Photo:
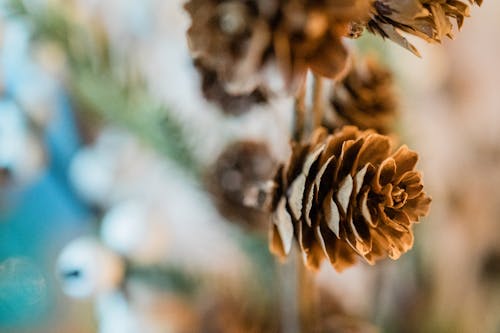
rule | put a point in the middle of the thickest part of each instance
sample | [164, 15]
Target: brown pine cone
[214, 91]
[238, 39]
[347, 195]
[238, 172]
[430, 20]
[364, 98]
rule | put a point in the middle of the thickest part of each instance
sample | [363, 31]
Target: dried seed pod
[364, 98]
[347, 195]
[238, 39]
[236, 176]
[430, 20]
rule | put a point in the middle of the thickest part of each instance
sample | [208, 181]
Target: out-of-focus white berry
[21, 152]
[115, 315]
[87, 268]
[135, 230]
[38, 100]
[92, 175]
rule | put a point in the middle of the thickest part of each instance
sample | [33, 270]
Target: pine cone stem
[317, 106]
[289, 295]
[307, 297]
[300, 113]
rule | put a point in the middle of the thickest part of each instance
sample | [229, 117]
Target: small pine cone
[231, 104]
[344, 195]
[238, 39]
[235, 181]
[365, 98]
[426, 19]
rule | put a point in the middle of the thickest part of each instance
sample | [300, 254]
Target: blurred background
[105, 138]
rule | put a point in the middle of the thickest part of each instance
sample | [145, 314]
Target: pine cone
[213, 90]
[365, 98]
[238, 39]
[344, 195]
[238, 171]
[426, 19]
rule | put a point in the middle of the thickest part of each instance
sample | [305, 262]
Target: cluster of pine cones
[242, 43]
[345, 192]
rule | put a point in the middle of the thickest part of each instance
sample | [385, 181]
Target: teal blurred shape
[23, 291]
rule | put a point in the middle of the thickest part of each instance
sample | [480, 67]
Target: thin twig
[308, 298]
[317, 106]
[300, 112]
[290, 297]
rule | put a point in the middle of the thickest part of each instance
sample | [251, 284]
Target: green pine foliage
[98, 86]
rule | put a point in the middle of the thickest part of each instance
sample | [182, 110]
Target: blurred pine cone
[344, 195]
[238, 39]
[214, 91]
[364, 98]
[238, 172]
[426, 19]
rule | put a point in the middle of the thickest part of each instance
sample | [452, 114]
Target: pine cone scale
[332, 216]
[411, 184]
[430, 20]
[406, 160]
[365, 210]
[284, 225]
[348, 157]
[375, 149]
[311, 249]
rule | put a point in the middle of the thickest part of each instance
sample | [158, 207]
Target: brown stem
[289, 289]
[300, 112]
[308, 298]
[317, 105]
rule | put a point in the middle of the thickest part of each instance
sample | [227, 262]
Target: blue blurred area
[37, 219]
